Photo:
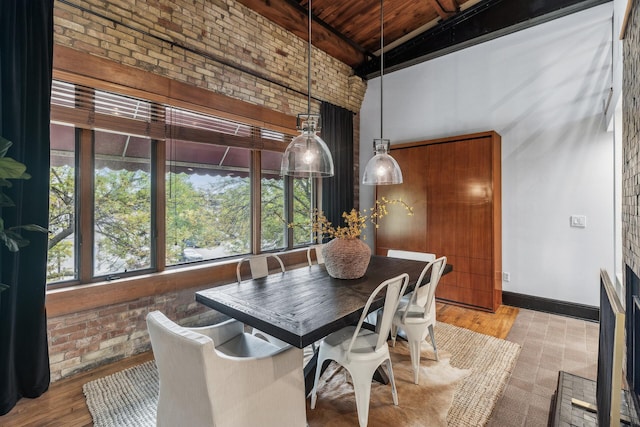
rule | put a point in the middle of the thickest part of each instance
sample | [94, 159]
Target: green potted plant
[12, 169]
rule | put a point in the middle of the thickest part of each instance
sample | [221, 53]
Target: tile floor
[550, 343]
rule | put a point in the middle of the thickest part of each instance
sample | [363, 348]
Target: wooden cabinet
[454, 186]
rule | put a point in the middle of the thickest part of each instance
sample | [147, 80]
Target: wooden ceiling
[414, 30]
[350, 30]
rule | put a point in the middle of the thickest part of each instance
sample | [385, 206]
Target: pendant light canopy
[307, 155]
[382, 169]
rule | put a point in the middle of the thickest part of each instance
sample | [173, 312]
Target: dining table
[303, 305]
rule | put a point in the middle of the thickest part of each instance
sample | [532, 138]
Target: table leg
[309, 373]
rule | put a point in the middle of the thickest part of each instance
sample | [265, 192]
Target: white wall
[543, 90]
[614, 117]
[619, 7]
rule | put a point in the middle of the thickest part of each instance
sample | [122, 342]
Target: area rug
[459, 390]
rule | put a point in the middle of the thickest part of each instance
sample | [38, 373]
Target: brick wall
[631, 150]
[84, 340]
[218, 45]
[207, 43]
[631, 142]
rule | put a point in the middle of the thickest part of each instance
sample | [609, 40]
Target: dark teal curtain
[337, 132]
[26, 58]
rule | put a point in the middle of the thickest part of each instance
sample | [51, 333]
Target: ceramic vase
[346, 258]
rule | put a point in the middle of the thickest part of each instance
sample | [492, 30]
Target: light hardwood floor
[64, 403]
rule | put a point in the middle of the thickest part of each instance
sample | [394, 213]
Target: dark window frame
[82, 115]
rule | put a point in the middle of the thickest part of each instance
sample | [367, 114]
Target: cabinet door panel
[441, 204]
[479, 197]
[399, 231]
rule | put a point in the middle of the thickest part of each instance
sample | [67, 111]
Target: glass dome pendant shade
[307, 155]
[382, 169]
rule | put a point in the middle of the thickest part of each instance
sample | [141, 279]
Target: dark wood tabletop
[303, 305]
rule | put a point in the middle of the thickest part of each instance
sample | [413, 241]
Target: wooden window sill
[73, 299]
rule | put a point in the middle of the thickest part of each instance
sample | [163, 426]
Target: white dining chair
[221, 376]
[417, 316]
[259, 265]
[416, 256]
[374, 317]
[317, 249]
[362, 351]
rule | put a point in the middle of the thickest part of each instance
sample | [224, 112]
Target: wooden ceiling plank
[399, 21]
[319, 20]
[346, 24]
[355, 23]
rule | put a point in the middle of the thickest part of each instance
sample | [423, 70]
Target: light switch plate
[579, 221]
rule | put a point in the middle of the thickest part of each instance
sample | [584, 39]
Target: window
[122, 200]
[138, 186]
[302, 210]
[208, 195]
[62, 262]
[273, 223]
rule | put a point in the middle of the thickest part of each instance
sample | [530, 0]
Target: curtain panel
[337, 132]
[26, 58]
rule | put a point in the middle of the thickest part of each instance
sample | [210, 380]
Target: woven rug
[459, 390]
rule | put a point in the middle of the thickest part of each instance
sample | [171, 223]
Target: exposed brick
[630, 137]
[56, 358]
[222, 29]
[62, 348]
[117, 331]
[81, 367]
[61, 332]
[58, 339]
[65, 364]
[64, 22]
[55, 323]
[80, 317]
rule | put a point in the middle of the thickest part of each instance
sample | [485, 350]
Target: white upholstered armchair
[221, 376]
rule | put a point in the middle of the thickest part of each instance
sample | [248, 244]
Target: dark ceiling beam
[292, 16]
[485, 21]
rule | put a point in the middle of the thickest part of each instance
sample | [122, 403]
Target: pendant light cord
[381, 60]
[309, 66]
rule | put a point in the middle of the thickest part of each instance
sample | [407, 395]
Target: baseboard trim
[563, 308]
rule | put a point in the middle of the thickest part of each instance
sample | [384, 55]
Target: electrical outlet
[506, 277]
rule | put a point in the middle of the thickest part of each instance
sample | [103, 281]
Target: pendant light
[307, 155]
[382, 169]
